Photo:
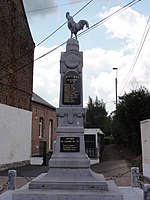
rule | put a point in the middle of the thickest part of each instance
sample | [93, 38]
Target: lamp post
[115, 68]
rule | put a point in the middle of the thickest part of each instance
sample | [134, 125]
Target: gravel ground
[112, 167]
[116, 170]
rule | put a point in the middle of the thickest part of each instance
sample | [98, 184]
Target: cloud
[44, 7]
[46, 74]
[98, 75]
[128, 26]
[40, 7]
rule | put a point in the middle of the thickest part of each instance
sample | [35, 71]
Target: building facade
[16, 57]
[43, 126]
[16, 82]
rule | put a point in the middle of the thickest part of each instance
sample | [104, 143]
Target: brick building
[16, 57]
[16, 91]
[43, 126]
[16, 80]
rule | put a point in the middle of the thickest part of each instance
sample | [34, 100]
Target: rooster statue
[75, 27]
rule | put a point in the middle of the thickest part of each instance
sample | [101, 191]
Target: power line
[99, 22]
[144, 36]
[91, 28]
[109, 16]
[34, 60]
[64, 23]
[8, 64]
[139, 45]
[51, 7]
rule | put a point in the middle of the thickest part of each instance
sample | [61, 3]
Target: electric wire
[91, 28]
[8, 64]
[34, 60]
[139, 45]
[143, 39]
[65, 42]
[64, 23]
[109, 16]
[51, 7]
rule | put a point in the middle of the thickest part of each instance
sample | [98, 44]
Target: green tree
[96, 115]
[131, 109]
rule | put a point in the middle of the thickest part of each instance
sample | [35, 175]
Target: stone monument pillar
[69, 176]
[69, 148]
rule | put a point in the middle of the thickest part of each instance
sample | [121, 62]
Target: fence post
[12, 179]
[146, 190]
[135, 177]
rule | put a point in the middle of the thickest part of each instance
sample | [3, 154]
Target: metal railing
[91, 152]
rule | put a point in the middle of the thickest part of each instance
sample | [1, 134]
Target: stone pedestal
[69, 176]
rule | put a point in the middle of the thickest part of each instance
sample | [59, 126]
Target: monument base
[69, 184]
[70, 179]
[113, 193]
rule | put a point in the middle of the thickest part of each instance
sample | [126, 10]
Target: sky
[121, 42]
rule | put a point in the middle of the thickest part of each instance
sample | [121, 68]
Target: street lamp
[115, 68]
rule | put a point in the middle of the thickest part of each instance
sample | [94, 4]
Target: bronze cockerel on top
[75, 27]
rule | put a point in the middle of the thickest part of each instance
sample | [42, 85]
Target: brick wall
[48, 115]
[16, 75]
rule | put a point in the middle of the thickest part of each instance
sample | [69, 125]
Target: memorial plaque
[69, 144]
[71, 89]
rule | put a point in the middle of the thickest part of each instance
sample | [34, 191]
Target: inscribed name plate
[69, 144]
[71, 89]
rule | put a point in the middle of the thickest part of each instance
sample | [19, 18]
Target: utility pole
[116, 69]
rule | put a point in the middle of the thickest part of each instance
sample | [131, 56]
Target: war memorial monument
[69, 176]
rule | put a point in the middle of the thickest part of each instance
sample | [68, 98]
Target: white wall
[15, 134]
[145, 137]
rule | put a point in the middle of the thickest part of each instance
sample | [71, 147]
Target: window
[41, 127]
[50, 133]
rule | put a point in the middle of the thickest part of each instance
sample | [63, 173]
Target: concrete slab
[113, 193]
[74, 179]
[129, 193]
[6, 195]
[132, 193]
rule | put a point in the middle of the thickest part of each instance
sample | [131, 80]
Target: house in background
[94, 144]
[16, 82]
[43, 126]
